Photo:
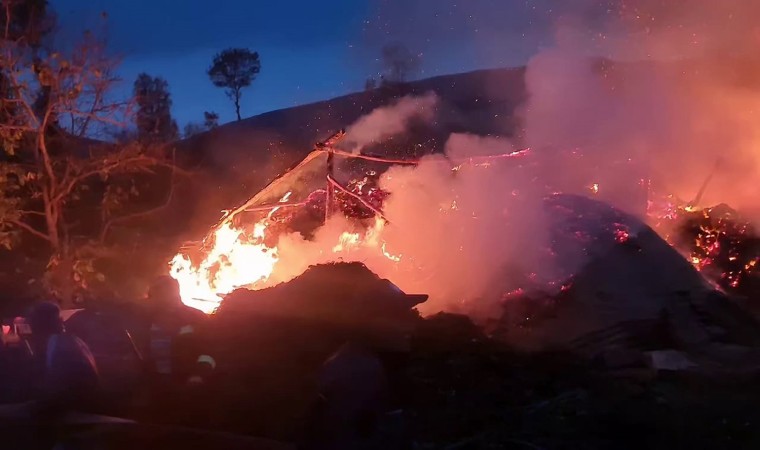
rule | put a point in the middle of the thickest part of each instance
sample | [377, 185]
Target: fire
[387, 254]
[234, 260]
[237, 258]
[347, 241]
[594, 188]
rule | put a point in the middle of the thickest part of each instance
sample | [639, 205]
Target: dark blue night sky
[310, 50]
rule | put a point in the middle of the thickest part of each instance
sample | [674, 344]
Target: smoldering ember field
[380, 225]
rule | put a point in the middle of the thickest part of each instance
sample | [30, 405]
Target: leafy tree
[154, 118]
[399, 63]
[234, 69]
[59, 186]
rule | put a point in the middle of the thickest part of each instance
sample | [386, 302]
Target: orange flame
[239, 259]
[234, 260]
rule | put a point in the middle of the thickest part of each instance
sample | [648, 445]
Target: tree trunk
[237, 104]
[51, 222]
[48, 192]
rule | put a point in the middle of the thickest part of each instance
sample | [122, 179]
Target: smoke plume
[390, 120]
[642, 89]
[461, 236]
[676, 92]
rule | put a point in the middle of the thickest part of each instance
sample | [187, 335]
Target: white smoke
[390, 120]
[467, 236]
[465, 239]
[464, 236]
[680, 94]
[469, 233]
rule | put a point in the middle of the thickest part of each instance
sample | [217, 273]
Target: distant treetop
[234, 69]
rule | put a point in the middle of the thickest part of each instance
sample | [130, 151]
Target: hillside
[241, 157]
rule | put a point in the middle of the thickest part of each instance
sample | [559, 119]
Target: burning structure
[340, 206]
[476, 224]
[242, 249]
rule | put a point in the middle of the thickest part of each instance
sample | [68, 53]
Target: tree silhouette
[153, 118]
[210, 119]
[234, 69]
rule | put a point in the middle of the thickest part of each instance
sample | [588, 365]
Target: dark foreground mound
[465, 391]
[270, 344]
[339, 293]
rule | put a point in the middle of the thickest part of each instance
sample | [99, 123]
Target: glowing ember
[622, 235]
[717, 242]
[594, 188]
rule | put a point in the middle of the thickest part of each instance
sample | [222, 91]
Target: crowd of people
[50, 368]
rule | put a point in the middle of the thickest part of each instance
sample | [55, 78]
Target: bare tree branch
[31, 230]
[32, 213]
[125, 218]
